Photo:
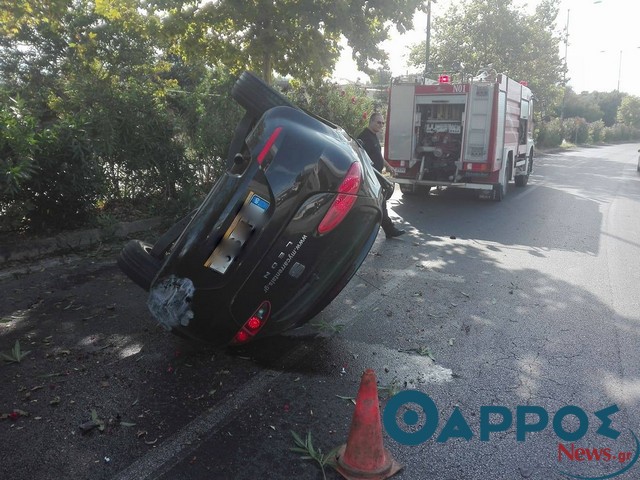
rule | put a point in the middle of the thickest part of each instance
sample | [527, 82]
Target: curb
[71, 241]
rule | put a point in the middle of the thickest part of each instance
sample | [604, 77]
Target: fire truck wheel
[521, 180]
[414, 189]
[499, 192]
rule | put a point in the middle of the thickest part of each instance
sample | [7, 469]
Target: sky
[603, 50]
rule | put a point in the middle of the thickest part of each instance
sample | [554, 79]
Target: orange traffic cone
[364, 455]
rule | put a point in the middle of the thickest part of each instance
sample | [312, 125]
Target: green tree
[593, 106]
[381, 77]
[609, 102]
[478, 33]
[584, 105]
[300, 38]
[111, 99]
[91, 76]
[629, 111]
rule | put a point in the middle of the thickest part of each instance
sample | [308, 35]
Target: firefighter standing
[371, 145]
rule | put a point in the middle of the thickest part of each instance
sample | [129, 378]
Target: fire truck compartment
[438, 128]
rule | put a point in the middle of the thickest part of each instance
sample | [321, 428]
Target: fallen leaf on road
[14, 415]
[351, 399]
[88, 426]
[423, 351]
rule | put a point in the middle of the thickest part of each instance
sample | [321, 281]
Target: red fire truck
[475, 135]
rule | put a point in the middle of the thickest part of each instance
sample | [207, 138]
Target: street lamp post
[619, 67]
[564, 73]
[428, 46]
[619, 70]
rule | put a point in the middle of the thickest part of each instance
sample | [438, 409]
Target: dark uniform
[371, 145]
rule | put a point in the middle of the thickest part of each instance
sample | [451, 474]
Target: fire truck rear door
[478, 123]
[400, 127]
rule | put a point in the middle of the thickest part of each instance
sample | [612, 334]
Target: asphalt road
[529, 302]
[521, 308]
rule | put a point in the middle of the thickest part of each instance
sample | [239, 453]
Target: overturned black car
[277, 238]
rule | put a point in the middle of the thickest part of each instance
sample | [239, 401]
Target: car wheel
[256, 96]
[136, 261]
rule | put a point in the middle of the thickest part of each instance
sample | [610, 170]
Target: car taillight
[344, 201]
[267, 146]
[253, 325]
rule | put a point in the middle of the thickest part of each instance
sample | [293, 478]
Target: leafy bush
[347, 106]
[596, 131]
[49, 177]
[549, 134]
[575, 130]
[206, 117]
[621, 133]
[63, 192]
[18, 141]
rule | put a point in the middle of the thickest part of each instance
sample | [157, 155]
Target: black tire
[407, 189]
[414, 189]
[256, 96]
[166, 241]
[136, 261]
[521, 180]
[500, 189]
[499, 192]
